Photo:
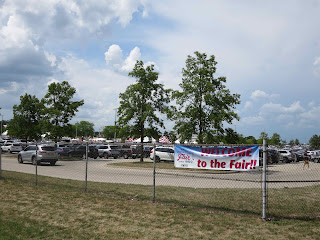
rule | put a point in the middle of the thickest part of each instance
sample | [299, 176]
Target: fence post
[0, 163]
[264, 181]
[154, 173]
[86, 177]
[36, 164]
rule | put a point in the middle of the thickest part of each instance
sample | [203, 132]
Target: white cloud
[52, 81]
[248, 106]
[316, 66]
[259, 94]
[113, 58]
[131, 60]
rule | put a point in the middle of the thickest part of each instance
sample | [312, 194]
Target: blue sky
[269, 52]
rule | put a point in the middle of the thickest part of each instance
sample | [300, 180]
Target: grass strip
[58, 209]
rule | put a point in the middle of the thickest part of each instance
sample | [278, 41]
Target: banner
[217, 158]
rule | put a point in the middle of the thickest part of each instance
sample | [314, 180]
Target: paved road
[102, 170]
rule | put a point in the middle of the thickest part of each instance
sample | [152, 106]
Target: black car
[79, 151]
[272, 156]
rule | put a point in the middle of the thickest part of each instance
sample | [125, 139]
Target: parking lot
[103, 170]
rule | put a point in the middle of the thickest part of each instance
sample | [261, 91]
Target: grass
[59, 209]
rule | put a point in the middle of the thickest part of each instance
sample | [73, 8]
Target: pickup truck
[136, 151]
[107, 151]
[125, 151]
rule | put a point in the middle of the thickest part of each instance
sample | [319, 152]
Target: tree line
[202, 107]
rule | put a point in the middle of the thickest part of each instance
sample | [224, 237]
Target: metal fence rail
[288, 185]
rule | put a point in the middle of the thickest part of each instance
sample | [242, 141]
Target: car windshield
[114, 147]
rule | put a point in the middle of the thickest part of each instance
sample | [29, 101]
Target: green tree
[291, 143]
[231, 137]
[60, 109]
[315, 141]
[251, 140]
[262, 136]
[109, 131]
[275, 139]
[297, 142]
[204, 103]
[141, 102]
[27, 118]
[84, 129]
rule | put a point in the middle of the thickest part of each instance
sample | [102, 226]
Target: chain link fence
[287, 190]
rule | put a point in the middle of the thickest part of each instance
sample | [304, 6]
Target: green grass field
[59, 209]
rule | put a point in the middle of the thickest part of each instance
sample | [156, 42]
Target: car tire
[158, 159]
[33, 160]
[115, 156]
[125, 156]
[20, 159]
[105, 155]
[52, 163]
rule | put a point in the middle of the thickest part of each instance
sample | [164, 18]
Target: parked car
[125, 151]
[286, 156]
[78, 151]
[299, 155]
[15, 147]
[136, 151]
[162, 154]
[6, 147]
[107, 151]
[38, 154]
[314, 155]
[272, 156]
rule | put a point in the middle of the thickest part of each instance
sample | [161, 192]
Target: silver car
[38, 154]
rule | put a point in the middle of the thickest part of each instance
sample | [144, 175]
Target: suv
[162, 154]
[38, 154]
[286, 156]
[107, 151]
[80, 151]
[136, 151]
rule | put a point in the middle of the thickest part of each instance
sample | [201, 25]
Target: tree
[231, 136]
[204, 103]
[297, 142]
[84, 128]
[60, 109]
[251, 140]
[141, 102]
[262, 136]
[275, 139]
[315, 141]
[109, 131]
[291, 143]
[27, 118]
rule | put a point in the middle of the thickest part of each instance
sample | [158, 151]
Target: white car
[162, 154]
[6, 147]
[15, 147]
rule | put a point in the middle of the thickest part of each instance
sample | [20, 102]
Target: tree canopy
[27, 118]
[60, 109]
[142, 102]
[315, 141]
[84, 129]
[204, 103]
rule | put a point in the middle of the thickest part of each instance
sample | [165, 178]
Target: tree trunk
[141, 146]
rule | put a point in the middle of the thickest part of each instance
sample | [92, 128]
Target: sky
[269, 51]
